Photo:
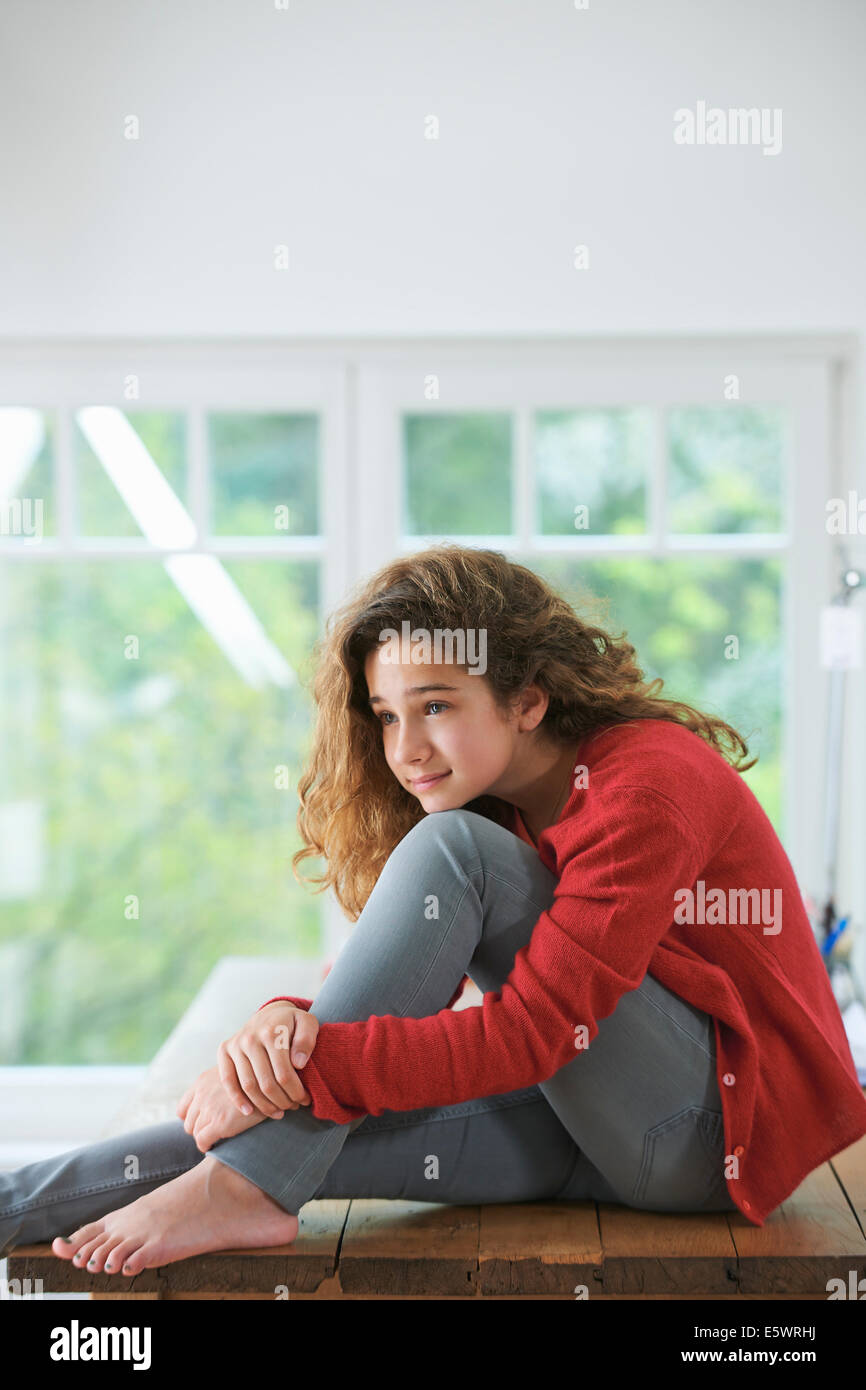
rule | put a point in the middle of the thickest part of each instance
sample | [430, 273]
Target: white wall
[305, 126]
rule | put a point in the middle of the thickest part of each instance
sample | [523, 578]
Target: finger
[284, 1072]
[191, 1117]
[183, 1103]
[304, 1039]
[286, 1076]
[248, 1080]
[230, 1080]
[285, 1056]
[275, 1098]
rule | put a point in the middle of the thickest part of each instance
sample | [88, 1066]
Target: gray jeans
[635, 1118]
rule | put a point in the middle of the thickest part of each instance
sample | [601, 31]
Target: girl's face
[444, 737]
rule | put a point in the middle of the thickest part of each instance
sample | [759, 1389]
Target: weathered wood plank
[401, 1247]
[538, 1248]
[649, 1252]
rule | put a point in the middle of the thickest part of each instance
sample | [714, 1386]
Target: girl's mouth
[424, 782]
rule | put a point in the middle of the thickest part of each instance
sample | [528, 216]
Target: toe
[63, 1246]
[97, 1259]
[83, 1254]
[137, 1260]
[69, 1247]
[119, 1255]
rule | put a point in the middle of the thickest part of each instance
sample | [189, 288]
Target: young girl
[498, 794]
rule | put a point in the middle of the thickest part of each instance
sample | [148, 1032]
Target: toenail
[107, 1265]
[68, 1239]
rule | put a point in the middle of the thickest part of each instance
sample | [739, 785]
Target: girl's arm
[612, 905]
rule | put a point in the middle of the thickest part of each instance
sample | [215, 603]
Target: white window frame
[360, 388]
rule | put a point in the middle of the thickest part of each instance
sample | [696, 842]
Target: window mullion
[658, 482]
[523, 521]
[66, 481]
[198, 463]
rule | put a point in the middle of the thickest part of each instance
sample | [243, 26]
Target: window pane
[591, 468]
[680, 614]
[726, 469]
[143, 830]
[26, 474]
[102, 508]
[264, 476]
[457, 475]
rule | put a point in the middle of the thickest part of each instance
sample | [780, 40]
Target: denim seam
[697, 1113]
[444, 938]
[706, 1051]
[571, 1172]
[85, 1191]
[484, 1107]
[515, 888]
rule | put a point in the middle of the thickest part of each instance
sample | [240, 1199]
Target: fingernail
[246, 1110]
[300, 1058]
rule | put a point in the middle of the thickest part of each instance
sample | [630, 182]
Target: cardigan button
[729, 1078]
[747, 1205]
[739, 1150]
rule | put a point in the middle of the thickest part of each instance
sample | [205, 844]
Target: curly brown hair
[353, 811]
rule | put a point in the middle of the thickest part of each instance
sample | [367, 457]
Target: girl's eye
[385, 713]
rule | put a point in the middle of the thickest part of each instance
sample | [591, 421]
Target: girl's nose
[411, 743]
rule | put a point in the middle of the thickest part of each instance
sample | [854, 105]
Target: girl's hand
[254, 1064]
[209, 1115]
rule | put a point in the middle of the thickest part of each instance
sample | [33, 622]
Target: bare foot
[210, 1207]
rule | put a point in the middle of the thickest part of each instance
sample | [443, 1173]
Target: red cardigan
[663, 812]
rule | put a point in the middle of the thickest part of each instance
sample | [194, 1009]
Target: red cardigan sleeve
[305, 1004]
[613, 903]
